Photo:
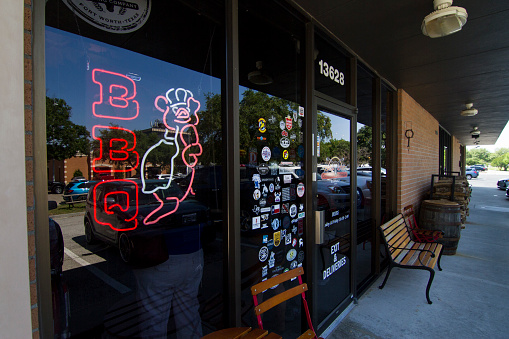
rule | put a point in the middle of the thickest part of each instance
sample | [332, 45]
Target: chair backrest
[409, 215]
[266, 305]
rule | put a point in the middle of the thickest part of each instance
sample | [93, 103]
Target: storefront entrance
[336, 203]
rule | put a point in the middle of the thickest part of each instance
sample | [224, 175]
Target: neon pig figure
[180, 108]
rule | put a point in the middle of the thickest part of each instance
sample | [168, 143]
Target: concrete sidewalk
[470, 296]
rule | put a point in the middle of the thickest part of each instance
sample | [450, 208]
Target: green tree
[364, 144]
[501, 161]
[63, 137]
[478, 156]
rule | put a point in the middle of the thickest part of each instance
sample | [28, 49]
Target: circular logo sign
[285, 154]
[285, 142]
[263, 254]
[290, 256]
[112, 16]
[300, 190]
[262, 125]
[293, 211]
[257, 194]
[266, 153]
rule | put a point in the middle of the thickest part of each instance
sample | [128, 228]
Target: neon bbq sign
[117, 101]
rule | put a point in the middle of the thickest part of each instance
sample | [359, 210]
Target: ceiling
[440, 74]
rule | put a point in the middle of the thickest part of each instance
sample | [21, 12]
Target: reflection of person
[172, 284]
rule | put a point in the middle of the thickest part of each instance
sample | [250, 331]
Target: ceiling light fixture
[475, 131]
[470, 111]
[445, 20]
[259, 77]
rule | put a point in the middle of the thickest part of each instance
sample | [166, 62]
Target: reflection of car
[78, 179]
[56, 244]
[335, 194]
[55, 187]
[503, 184]
[76, 191]
[471, 174]
[140, 224]
[507, 192]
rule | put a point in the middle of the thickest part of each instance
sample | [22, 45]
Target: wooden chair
[419, 234]
[266, 305]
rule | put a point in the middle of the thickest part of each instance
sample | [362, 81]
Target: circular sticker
[285, 154]
[266, 153]
[293, 210]
[263, 254]
[300, 190]
[284, 142]
[290, 256]
[275, 224]
[293, 264]
[282, 125]
[276, 152]
[300, 151]
[112, 16]
[287, 222]
[271, 188]
[257, 194]
[300, 259]
[262, 125]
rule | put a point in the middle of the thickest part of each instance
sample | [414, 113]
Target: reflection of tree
[210, 130]
[364, 145]
[63, 137]
[158, 157]
[335, 148]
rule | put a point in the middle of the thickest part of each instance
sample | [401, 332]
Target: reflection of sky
[70, 60]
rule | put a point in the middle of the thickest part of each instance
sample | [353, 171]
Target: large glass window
[134, 113]
[365, 138]
[272, 155]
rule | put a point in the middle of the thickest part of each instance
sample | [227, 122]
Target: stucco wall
[418, 162]
[15, 310]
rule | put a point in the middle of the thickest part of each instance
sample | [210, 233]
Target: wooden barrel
[445, 216]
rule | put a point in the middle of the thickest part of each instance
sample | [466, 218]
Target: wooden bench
[406, 253]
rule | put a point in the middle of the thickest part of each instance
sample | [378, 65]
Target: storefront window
[332, 76]
[271, 155]
[365, 95]
[134, 114]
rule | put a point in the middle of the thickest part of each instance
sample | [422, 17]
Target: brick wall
[74, 163]
[418, 162]
[29, 164]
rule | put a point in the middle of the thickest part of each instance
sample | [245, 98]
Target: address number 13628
[331, 73]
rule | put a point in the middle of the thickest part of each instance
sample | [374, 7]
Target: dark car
[480, 168]
[503, 184]
[77, 191]
[507, 192]
[56, 187]
[146, 221]
[56, 244]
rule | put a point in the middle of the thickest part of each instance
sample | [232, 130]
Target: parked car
[145, 227]
[335, 194]
[503, 184]
[507, 192]
[78, 179]
[56, 187]
[471, 173]
[56, 244]
[480, 168]
[77, 191]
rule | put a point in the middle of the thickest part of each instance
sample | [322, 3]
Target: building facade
[291, 147]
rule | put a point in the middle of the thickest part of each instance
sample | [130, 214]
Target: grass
[65, 208]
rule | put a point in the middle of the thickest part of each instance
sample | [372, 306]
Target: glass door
[334, 208]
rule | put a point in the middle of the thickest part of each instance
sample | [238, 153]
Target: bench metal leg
[440, 257]
[431, 276]
[386, 276]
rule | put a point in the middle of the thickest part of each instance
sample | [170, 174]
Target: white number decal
[331, 73]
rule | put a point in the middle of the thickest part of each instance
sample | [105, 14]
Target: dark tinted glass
[134, 92]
